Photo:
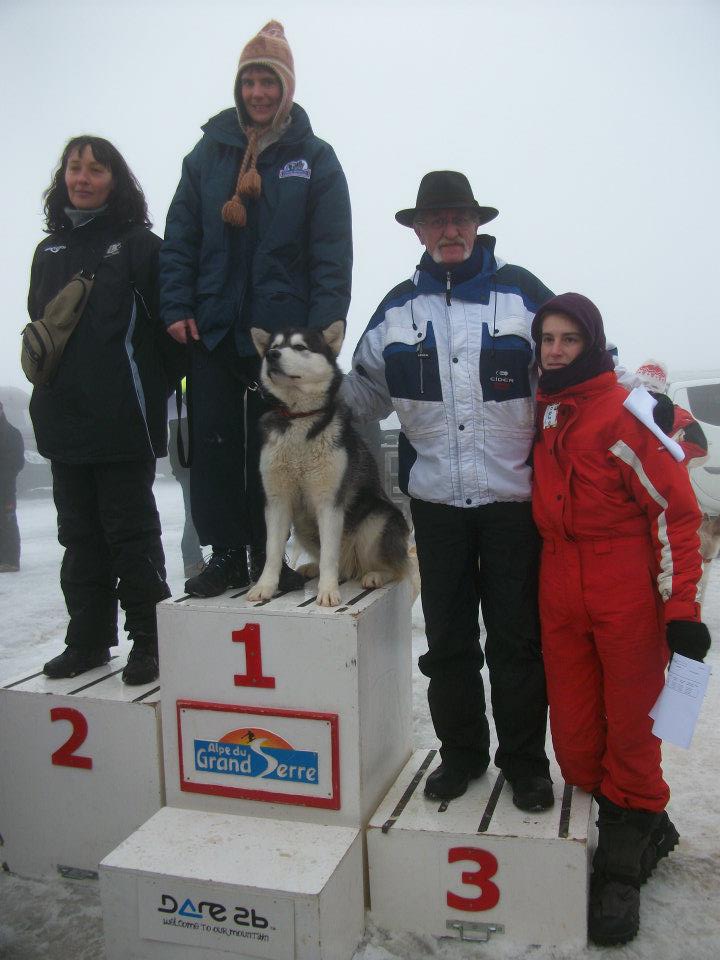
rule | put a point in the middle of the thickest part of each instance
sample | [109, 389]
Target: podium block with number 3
[477, 868]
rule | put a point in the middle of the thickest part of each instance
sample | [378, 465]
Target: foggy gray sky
[593, 125]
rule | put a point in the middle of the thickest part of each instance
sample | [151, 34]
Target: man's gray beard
[437, 252]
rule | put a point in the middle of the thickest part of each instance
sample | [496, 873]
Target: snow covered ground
[61, 920]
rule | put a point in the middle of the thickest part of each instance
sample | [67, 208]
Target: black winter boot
[142, 663]
[289, 579]
[663, 841]
[224, 569]
[624, 835]
[74, 661]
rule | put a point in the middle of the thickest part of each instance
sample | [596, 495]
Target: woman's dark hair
[126, 203]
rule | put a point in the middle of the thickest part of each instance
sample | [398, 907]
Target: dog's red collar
[291, 415]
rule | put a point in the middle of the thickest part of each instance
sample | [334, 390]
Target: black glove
[663, 411]
[688, 638]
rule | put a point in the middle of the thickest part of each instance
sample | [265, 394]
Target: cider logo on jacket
[56, 248]
[296, 168]
[502, 379]
[113, 249]
[550, 418]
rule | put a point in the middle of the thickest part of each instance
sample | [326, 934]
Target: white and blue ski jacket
[451, 353]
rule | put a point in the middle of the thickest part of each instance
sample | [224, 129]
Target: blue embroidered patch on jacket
[296, 168]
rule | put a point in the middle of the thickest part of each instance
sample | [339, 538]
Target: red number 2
[253, 677]
[480, 878]
[65, 755]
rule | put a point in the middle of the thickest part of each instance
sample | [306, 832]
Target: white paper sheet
[641, 404]
[677, 709]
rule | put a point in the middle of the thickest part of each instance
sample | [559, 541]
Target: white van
[699, 392]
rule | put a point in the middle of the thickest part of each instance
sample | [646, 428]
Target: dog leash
[248, 382]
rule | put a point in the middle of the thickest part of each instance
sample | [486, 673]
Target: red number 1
[480, 878]
[253, 676]
[65, 755]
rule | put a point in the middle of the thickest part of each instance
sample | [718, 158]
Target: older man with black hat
[450, 351]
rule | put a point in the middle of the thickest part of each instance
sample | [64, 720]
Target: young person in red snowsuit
[619, 578]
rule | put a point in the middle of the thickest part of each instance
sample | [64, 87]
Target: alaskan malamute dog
[318, 474]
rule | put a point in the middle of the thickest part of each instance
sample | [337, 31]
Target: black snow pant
[110, 528]
[487, 556]
[228, 504]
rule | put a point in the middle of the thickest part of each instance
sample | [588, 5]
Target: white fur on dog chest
[285, 709]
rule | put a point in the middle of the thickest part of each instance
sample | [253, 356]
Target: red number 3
[65, 755]
[480, 878]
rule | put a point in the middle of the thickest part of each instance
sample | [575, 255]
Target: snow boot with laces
[142, 662]
[225, 569]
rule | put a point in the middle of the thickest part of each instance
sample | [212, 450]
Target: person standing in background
[189, 545]
[12, 460]
[683, 428]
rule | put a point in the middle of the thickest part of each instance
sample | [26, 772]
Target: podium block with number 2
[81, 768]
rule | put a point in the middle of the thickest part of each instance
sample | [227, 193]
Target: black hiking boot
[74, 661]
[142, 662]
[624, 835]
[663, 840]
[289, 579]
[532, 794]
[447, 782]
[224, 569]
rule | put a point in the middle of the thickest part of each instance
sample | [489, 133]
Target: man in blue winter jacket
[258, 235]
[450, 351]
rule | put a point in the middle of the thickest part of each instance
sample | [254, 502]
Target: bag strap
[95, 257]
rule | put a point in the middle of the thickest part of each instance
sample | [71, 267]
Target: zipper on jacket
[447, 289]
[422, 355]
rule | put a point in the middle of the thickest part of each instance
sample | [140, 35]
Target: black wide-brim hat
[445, 190]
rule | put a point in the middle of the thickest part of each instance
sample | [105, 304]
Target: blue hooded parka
[289, 266]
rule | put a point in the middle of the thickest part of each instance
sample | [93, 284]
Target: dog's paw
[262, 591]
[308, 570]
[328, 595]
[374, 578]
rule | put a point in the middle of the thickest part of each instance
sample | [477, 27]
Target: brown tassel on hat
[249, 184]
[234, 212]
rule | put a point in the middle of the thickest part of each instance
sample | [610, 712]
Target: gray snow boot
[623, 838]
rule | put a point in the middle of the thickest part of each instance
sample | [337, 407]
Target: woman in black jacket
[101, 421]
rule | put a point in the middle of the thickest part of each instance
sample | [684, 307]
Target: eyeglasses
[460, 220]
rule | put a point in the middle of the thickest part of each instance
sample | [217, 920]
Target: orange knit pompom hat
[268, 49]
